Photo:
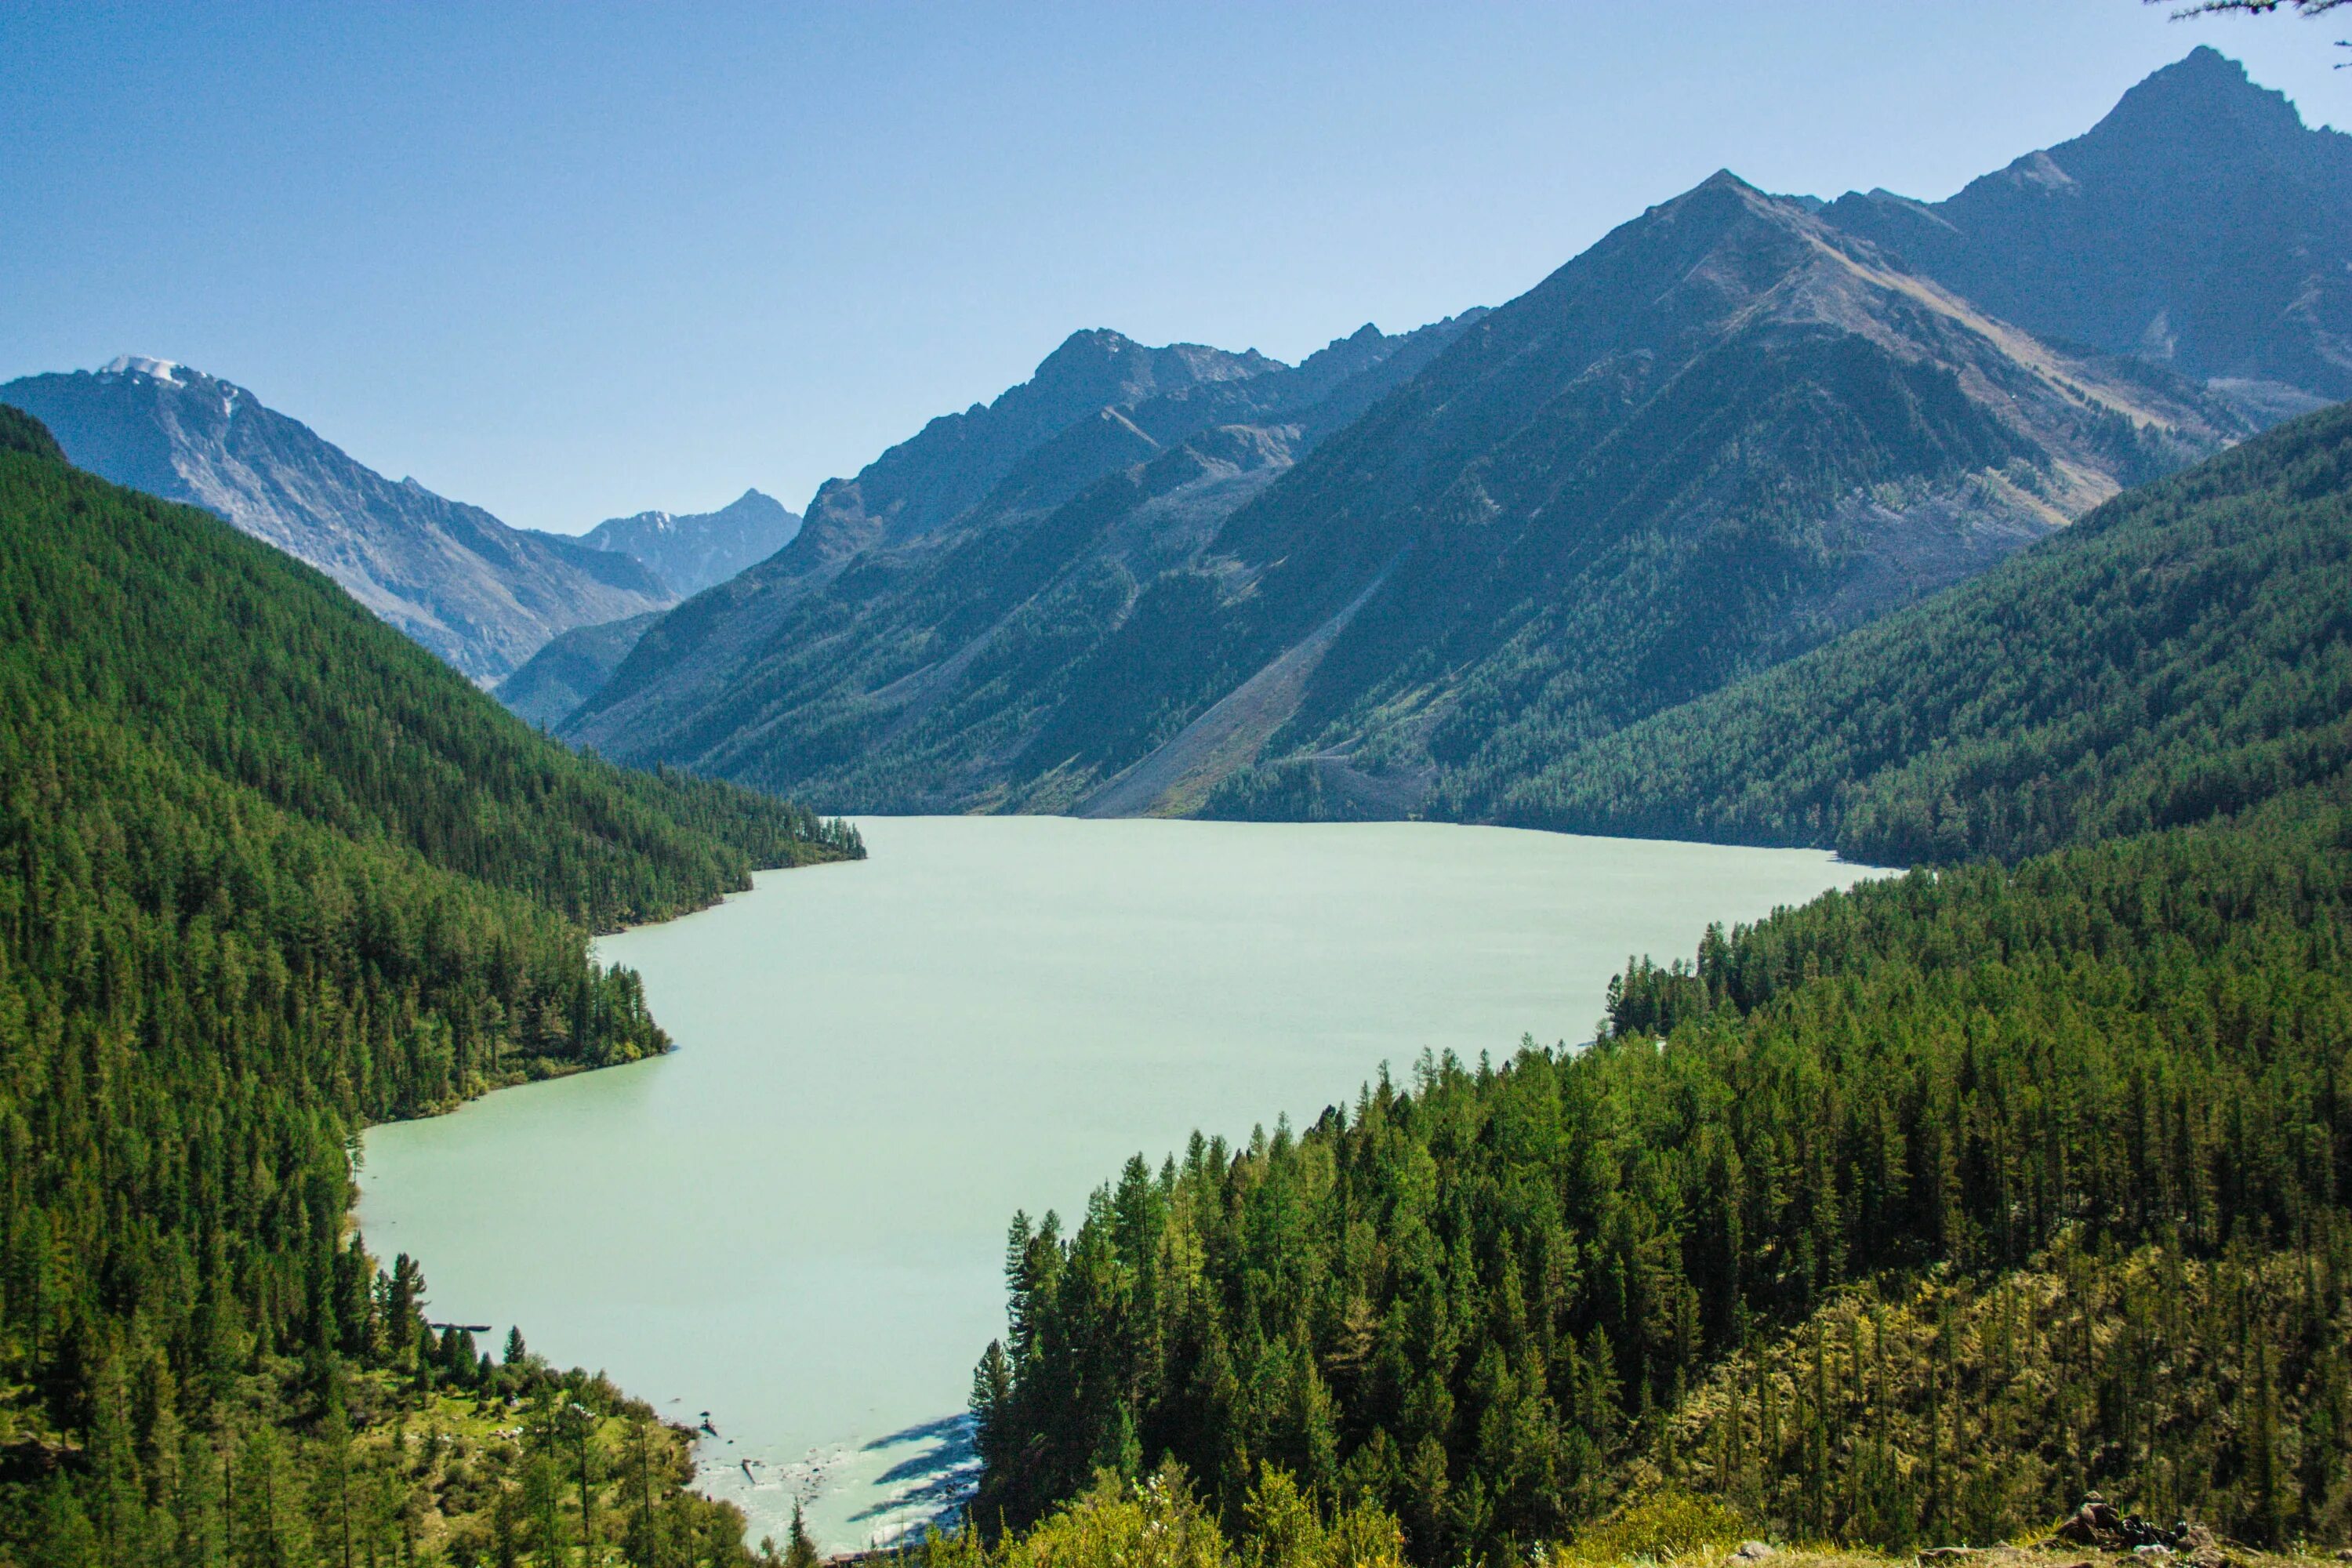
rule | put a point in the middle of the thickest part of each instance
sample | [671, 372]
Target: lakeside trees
[268, 873]
[2026, 1112]
[1914, 1212]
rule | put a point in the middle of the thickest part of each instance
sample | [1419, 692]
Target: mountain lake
[795, 1221]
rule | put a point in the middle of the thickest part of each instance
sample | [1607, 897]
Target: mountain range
[481, 595]
[1410, 573]
[692, 552]
[1154, 444]
[1726, 433]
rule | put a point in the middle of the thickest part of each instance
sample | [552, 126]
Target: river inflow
[796, 1220]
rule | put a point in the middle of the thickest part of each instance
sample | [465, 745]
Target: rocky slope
[692, 552]
[482, 596]
[955, 572]
[2199, 224]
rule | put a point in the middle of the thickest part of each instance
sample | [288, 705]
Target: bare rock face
[482, 596]
[2200, 225]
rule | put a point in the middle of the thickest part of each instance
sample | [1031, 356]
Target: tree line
[1498, 1301]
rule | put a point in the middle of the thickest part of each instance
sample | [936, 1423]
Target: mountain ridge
[1725, 375]
[2198, 223]
[480, 594]
[1148, 471]
[692, 550]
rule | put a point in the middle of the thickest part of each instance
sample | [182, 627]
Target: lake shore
[795, 1220]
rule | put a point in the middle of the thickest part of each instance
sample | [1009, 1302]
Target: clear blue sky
[570, 261]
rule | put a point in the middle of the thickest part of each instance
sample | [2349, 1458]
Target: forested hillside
[269, 872]
[1909, 1214]
[2185, 649]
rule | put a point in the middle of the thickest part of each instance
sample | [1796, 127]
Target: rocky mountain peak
[694, 551]
[1100, 366]
[2197, 92]
[2198, 223]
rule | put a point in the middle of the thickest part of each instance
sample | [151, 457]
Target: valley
[1701, 915]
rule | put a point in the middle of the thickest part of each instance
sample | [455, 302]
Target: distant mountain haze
[2199, 224]
[482, 596]
[692, 552]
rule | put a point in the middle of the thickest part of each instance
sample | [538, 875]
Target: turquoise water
[795, 1221]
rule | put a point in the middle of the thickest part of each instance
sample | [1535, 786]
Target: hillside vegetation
[1908, 1216]
[2092, 1103]
[2185, 649]
[267, 873]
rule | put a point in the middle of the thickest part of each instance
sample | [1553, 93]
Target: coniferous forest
[268, 872]
[1907, 1216]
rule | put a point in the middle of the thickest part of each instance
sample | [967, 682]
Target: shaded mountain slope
[482, 596]
[2185, 649]
[2199, 223]
[1721, 436]
[571, 668]
[942, 643]
[691, 552]
[952, 463]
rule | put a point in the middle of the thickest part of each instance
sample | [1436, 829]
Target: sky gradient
[571, 261]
